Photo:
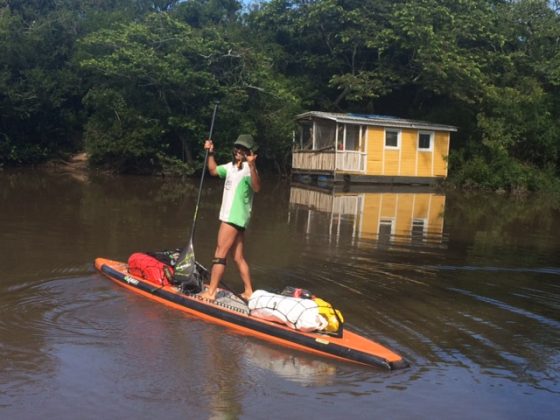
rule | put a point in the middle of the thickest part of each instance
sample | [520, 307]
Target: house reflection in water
[394, 217]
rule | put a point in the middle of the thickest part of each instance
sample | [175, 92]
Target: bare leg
[243, 267]
[226, 237]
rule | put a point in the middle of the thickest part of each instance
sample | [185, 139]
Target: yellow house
[370, 148]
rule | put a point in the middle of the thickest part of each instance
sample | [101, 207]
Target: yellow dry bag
[328, 312]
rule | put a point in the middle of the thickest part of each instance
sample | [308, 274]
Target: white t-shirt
[237, 201]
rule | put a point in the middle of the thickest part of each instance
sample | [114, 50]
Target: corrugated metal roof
[376, 120]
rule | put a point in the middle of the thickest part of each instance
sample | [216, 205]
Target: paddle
[186, 263]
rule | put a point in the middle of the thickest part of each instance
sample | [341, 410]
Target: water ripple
[518, 311]
[538, 270]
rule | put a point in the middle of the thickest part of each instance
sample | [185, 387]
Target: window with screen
[392, 139]
[425, 141]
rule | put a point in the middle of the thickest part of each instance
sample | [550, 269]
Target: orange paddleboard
[236, 315]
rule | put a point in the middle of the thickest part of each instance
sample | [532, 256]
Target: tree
[41, 114]
[517, 120]
[155, 83]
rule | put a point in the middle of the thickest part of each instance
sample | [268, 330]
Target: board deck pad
[229, 300]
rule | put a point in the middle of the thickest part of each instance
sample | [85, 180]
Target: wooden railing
[312, 160]
[351, 161]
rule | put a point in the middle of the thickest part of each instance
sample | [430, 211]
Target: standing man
[242, 180]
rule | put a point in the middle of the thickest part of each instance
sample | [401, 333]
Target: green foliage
[215, 13]
[134, 82]
[41, 88]
[150, 79]
[155, 84]
[38, 86]
[120, 136]
[518, 130]
[519, 123]
[500, 173]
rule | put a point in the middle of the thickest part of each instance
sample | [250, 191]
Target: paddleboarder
[241, 182]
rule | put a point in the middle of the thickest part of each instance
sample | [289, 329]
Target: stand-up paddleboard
[231, 311]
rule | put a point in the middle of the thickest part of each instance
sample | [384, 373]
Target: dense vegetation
[134, 82]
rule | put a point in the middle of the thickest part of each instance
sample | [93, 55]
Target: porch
[328, 161]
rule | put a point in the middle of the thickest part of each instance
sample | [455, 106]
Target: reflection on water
[478, 290]
[300, 368]
[389, 218]
[464, 286]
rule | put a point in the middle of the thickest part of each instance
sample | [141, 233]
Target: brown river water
[466, 287]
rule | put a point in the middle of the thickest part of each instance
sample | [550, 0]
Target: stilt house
[360, 148]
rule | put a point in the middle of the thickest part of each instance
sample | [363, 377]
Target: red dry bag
[150, 269]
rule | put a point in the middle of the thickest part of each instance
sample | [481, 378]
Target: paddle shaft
[203, 173]
[189, 248]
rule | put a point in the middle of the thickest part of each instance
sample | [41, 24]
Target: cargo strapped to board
[158, 267]
[303, 314]
[147, 267]
[334, 318]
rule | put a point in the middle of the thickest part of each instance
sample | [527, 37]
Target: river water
[465, 287]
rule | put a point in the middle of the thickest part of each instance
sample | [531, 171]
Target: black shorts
[237, 227]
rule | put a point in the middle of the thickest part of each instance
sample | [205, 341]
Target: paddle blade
[186, 263]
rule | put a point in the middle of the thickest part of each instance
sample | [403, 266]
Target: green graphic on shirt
[240, 212]
[237, 198]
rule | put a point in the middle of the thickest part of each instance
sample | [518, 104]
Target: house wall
[441, 152]
[407, 160]
[374, 149]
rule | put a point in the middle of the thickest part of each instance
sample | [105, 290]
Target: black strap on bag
[168, 257]
[187, 284]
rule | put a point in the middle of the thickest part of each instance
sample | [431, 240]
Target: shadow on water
[464, 286]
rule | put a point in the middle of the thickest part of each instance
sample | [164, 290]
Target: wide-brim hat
[247, 141]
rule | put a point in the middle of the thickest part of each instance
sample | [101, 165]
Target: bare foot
[207, 295]
[246, 296]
